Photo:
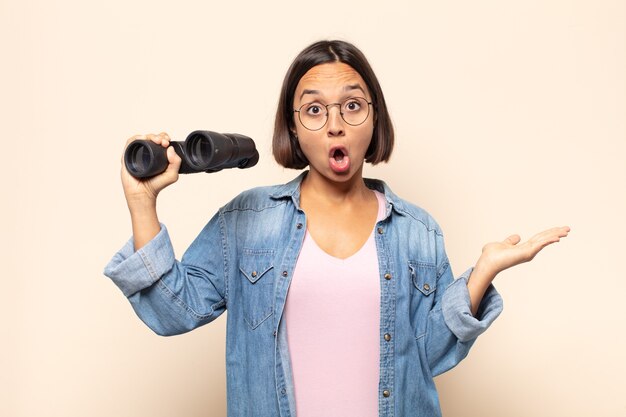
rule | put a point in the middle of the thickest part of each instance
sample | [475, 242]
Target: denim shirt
[243, 260]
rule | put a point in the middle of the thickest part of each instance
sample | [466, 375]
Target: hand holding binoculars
[202, 151]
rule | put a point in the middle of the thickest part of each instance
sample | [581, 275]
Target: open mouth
[338, 155]
[339, 159]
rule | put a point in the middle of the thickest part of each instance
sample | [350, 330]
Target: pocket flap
[255, 264]
[424, 277]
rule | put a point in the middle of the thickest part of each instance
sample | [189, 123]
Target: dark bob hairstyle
[285, 146]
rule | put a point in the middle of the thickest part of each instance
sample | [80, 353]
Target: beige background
[510, 119]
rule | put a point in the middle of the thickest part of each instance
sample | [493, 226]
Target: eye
[313, 109]
[352, 105]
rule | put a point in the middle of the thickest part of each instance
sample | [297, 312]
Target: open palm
[498, 256]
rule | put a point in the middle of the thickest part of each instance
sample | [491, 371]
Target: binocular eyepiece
[202, 151]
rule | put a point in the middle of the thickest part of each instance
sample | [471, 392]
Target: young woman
[340, 297]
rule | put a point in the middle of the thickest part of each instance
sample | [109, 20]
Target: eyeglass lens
[354, 111]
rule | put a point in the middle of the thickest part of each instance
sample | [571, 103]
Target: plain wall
[510, 118]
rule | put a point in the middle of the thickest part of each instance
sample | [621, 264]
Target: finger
[558, 233]
[160, 139]
[174, 160]
[154, 138]
[165, 139]
[550, 236]
[563, 231]
[513, 239]
[134, 138]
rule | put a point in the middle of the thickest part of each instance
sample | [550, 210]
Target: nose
[335, 121]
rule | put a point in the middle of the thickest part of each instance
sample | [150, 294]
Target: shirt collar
[292, 190]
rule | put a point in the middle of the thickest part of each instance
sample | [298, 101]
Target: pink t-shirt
[332, 317]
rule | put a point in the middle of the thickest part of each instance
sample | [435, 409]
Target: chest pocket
[257, 276]
[424, 277]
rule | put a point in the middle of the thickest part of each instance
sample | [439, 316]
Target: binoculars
[202, 151]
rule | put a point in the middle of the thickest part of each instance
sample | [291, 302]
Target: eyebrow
[349, 87]
[354, 87]
[308, 92]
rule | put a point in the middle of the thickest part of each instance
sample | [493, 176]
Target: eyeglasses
[354, 111]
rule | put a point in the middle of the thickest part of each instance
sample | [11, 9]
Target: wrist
[482, 275]
[141, 206]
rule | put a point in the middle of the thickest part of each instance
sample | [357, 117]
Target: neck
[318, 187]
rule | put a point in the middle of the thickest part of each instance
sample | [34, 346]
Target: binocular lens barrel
[144, 158]
[202, 151]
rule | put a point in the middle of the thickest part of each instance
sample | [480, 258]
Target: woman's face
[337, 150]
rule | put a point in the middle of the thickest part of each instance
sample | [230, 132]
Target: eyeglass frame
[369, 103]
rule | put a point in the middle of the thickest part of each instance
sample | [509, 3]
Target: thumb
[513, 239]
[174, 160]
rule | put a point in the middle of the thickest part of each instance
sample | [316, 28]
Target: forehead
[330, 79]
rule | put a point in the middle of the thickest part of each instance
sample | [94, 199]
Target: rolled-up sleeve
[133, 271]
[452, 329]
[171, 296]
[456, 307]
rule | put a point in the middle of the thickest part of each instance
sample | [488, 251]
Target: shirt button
[274, 333]
[386, 393]
[253, 274]
[285, 273]
[380, 230]
[387, 276]
[426, 287]
[299, 225]
[387, 337]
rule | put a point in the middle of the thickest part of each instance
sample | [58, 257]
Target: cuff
[133, 270]
[457, 312]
